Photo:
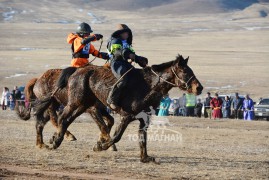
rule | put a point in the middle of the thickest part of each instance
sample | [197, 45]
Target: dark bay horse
[38, 88]
[146, 87]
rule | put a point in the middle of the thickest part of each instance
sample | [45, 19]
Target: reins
[122, 77]
[98, 51]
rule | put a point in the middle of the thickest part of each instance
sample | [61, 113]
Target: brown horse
[24, 112]
[38, 88]
[146, 87]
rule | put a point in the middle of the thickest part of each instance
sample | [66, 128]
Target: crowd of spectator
[187, 105]
[10, 98]
[212, 107]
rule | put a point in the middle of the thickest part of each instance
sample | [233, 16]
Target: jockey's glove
[141, 61]
[104, 55]
[98, 36]
[87, 40]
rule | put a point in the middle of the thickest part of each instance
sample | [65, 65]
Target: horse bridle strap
[183, 82]
[173, 84]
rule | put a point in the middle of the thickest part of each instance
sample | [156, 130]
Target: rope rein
[98, 51]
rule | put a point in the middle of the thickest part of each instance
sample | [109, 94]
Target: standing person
[248, 108]
[198, 108]
[174, 107]
[226, 107]
[12, 100]
[5, 98]
[164, 106]
[216, 104]
[16, 95]
[207, 107]
[190, 104]
[182, 105]
[237, 105]
[122, 55]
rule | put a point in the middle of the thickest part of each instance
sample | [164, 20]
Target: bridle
[182, 81]
[173, 84]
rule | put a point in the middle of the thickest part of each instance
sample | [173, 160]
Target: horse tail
[24, 109]
[42, 106]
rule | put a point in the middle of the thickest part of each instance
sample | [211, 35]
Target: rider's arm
[88, 39]
[98, 54]
[94, 37]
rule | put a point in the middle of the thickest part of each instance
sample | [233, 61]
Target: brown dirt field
[208, 149]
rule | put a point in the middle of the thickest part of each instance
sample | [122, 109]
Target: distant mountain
[71, 11]
[175, 6]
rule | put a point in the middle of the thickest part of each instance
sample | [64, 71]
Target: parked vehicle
[262, 109]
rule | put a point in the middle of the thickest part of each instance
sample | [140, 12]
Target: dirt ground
[205, 149]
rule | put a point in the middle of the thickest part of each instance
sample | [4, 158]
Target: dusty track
[223, 149]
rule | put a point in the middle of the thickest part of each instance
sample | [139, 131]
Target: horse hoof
[97, 147]
[70, 137]
[148, 159]
[105, 146]
[113, 148]
[57, 142]
[42, 146]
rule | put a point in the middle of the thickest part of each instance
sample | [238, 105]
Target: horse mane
[160, 67]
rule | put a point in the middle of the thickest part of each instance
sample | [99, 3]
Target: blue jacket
[237, 103]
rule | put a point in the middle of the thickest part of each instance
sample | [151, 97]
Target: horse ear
[181, 61]
[187, 59]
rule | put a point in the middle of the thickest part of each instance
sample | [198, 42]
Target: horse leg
[142, 136]
[53, 119]
[110, 122]
[40, 123]
[104, 135]
[118, 132]
[69, 114]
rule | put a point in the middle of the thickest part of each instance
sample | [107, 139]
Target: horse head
[184, 77]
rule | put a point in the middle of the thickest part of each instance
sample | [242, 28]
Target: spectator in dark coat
[198, 108]
[226, 107]
[207, 108]
[237, 106]
[17, 95]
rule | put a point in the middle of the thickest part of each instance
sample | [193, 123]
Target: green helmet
[84, 28]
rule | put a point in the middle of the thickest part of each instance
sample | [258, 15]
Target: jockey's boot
[114, 96]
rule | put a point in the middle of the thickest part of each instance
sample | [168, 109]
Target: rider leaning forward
[81, 45]
[120, 51]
